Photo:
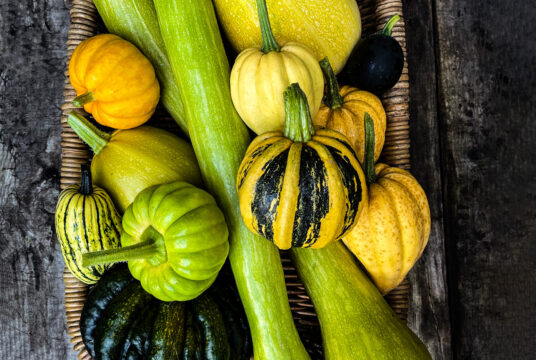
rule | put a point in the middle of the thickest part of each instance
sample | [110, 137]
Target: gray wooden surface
[473, 82]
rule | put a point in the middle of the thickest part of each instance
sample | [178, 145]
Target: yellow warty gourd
[327, 27]
[393, 231]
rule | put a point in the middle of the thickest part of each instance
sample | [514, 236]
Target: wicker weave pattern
[85, 23]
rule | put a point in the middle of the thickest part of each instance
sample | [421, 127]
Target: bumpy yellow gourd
[260, 76]
[114, 81]
[327, 27]
[343, 110]
[393, 231]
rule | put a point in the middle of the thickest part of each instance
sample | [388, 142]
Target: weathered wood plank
[487, 87]
[32, 51]
[429, 311]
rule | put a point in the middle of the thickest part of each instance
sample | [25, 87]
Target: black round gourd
[376, 62]
[121, 321]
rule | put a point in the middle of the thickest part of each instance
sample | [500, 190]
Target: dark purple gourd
[376, 62]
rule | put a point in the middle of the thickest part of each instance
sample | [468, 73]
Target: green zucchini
[357, 323]
[113, 326]
[168, 332]
[98, 299]
[135, 21]
[220, 138]
[216, 344]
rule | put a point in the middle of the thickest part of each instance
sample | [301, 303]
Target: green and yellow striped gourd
[303, 188]
[86, 221]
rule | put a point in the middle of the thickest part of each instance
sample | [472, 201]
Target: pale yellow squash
[328, 27]
[393, 230]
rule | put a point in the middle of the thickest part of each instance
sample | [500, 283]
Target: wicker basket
[85, 23]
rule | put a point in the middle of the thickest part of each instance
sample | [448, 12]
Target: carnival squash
[343, 110]
[260, 75]
[393, 231]
[128, 161]
[328, 27]
[114, 81]
[303, 188]
[86, 220]
[174, 239]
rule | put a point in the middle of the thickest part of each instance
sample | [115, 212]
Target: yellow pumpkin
[343, 110]
[260, 76]
[328, 27]
[393, 230]
[114, 81]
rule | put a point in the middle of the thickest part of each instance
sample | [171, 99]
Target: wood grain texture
[429, 310]
[32, 51]
[487, 103]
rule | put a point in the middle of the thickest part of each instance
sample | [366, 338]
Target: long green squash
[356, 322]
[135, 21]
[195, 50]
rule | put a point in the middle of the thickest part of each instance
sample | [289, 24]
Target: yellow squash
[393, 230]
[260, 76]
[328, 27]
[344, 109]
[303, 188]
[114, 81]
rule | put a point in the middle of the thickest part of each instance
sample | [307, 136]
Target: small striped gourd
[86, 220]
[301, 188]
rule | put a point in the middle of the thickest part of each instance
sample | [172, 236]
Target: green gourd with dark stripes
[303, 187]
[86, 221]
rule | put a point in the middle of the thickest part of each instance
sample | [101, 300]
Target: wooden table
[473, 80]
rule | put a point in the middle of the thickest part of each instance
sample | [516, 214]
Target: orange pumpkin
[114, 81]
[343, 110]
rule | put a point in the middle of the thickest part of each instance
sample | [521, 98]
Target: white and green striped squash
[86, 221]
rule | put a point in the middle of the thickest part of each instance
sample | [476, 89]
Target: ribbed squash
[260, 75]
[328, 27]
[86, 220]
[393, 231]
[343, 110]
[301, 188]
[114, 81]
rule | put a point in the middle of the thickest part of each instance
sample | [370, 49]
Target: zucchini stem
[370, 173]
[333, 96]
[95, 138]
[151, 249]
[83, 99]
[298, 123]
[268, 40]
[86, 185]
[388, 27]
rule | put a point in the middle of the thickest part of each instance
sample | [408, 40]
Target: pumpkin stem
[388, 27]
[83, 99]
[86, 185]
[370, 173]
[333, 96]
[95, 138]
[149, 248]
[298, 123]
[268, 40]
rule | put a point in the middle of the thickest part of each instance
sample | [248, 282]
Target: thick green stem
[388, 27]
[298, 123]
[86, 186]
[268, 40]
[333, 97]
[369, 150]
[95, 138]
[142, 250]
[83, 99]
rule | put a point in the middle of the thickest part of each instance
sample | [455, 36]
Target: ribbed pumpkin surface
[301, 194]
